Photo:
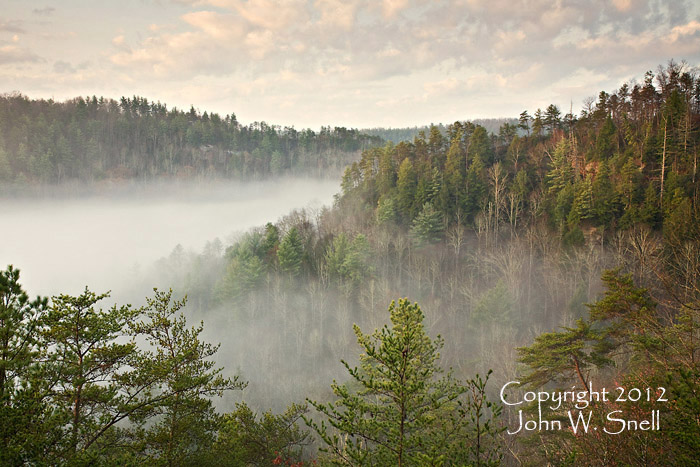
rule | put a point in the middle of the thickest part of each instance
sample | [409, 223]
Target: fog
[286, 335]
[106, 239]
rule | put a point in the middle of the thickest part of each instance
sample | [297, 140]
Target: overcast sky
[355, 63]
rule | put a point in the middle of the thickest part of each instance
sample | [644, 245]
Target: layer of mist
[108, 240]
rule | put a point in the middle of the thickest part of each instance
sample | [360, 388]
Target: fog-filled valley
[558, 253]
[110, 238]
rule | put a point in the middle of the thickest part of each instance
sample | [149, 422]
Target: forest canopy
[91, 138]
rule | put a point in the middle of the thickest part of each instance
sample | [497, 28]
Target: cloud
[341, 58]
[62, 67]
[623, 5]
[11, 26]
[14, 54]
[268, 14]
[216, 25]
[391, 8]
[445, 86]
[337, 13]
[46, 11]
[678, 32]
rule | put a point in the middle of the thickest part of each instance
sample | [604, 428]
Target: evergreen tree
[475, 188]
[87, 358]
[428, 226]
[271, 241]
[455, 174]
[604, 197]
[563, 356]
[537, 124]
[552, 118]
[561, 174]
[406, 189]
[524, 122]
[404, 412]
[386, 211]
[185, 379]
[246, 439]
[290, 253]
[480, 146]
[23, 412]
[650, 212]
[605, 143]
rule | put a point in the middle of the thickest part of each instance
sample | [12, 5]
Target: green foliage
[649, 350]
[475, 187]
[182, 421]
[349, 261]
[604, 197]
[386, 211]
[46, 141]
[428, 226]
[406, 187]
[480, 146]
[605, 142]
[72, 374]
[563, 356]
[87, 360]
[404, 412]
[25, 428]
[561, 174]
[495, 306]
[246, 439]
[290, 253]
[246, 268]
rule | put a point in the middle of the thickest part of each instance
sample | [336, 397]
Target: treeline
[94, 138]
[396, 135]
[628, 159]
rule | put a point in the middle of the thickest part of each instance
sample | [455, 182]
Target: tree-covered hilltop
[503, 241]
[95, 138]
[630, 158]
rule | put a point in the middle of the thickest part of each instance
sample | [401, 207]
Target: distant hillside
[97, 138]
[396, 135]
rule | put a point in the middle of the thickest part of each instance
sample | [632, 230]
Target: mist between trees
[503, 240]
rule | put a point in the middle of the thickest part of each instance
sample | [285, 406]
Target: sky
[353, 63]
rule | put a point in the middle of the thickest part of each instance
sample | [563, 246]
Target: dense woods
[561, 251]
[396, 135]
[96, 138]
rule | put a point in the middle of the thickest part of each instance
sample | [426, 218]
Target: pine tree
[563, 356]
[22, 410]
[524, 122]
[290, 253]
[185, 379]
[561, 174]
[604, 197]
[480, 145]
[428, 226]
[406, 188]
[87, 358]
[270, 439]
[475, 187]
[405, 413]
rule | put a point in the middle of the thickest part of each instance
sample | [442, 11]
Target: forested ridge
[86, 139]
[562, 251]
[396, 135]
